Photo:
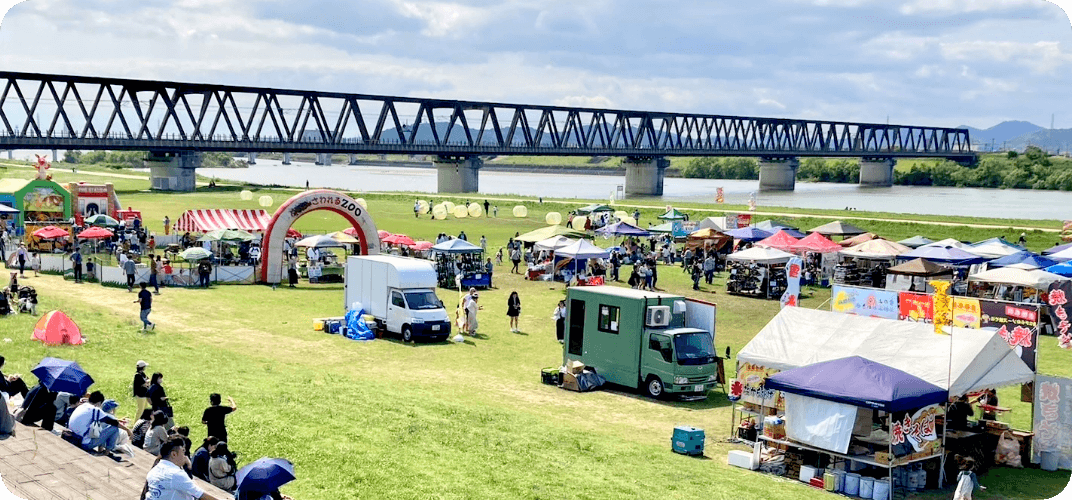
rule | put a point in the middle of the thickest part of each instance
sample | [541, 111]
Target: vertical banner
[744, 220]
[918, 307]
[1016, 323]
[1053, 421]
[720, 196]
[791, 297]
[871, 302]
[942, 310]
[1066, 230]
[1057, 298]
[731, 221]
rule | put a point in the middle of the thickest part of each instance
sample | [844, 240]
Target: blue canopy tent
[1062, 269]
[858, 381]
[749, 234]
[943, 254]
[998, 240]
[622, 229]
[1025, 257]
[1057, 248]
[456, 246]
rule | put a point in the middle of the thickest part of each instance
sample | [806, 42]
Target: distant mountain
[1054, 141]
[1000, 133]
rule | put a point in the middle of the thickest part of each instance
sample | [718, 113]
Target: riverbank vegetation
[136, 159]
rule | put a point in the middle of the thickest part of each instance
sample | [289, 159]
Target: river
[1000, 203]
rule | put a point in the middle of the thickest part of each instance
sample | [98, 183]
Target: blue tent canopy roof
[456, 246]
[1024, 257]
[859, 382]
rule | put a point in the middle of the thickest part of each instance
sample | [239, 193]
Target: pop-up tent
[761, 256]
[546, 232]
[781, 240]
[946, 254]
[553, 243]
[797, 336]
[55, 328]
[837, 228]
[1035, 278]
[876, 250]
[858, 381]
[816, 242]
[916, 241]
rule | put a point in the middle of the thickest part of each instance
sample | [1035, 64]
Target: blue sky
[920, 62]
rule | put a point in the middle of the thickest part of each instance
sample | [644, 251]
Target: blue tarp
[1024, 257]
[859, 382]
[356, 328]
[945, 255]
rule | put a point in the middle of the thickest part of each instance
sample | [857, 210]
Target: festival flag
[791, 297]
[719, 196]
[943, 315]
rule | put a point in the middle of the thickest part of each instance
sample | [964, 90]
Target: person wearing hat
[95, 410]
[471, 308]
[1023, 239]
[141, 386]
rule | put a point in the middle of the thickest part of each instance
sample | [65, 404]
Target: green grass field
[385, 419]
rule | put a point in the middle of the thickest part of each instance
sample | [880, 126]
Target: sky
[914, 62]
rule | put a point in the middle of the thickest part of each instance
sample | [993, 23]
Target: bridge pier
[353, 159]
[286, 158]
[778, 174]
[323, 158]
[252, 159]
[876, 172]
[644, 176]
[173, 171]
[458, 174]
[55, 156]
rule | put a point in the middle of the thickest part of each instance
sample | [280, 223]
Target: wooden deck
[36, 464]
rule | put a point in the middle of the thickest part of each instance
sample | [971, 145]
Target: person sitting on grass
[95, 411]
[158, 434]
[168, 480]
[201, 457]
[222, 468]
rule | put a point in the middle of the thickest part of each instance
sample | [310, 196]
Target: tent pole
[889, 444]
[941, 466]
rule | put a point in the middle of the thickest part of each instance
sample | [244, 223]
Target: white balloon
[265, 201]
[246, 195]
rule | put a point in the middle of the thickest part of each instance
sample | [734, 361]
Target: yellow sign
[942, 312]
[966, 313]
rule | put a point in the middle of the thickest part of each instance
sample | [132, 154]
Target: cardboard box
[575, 367]
[569, 382]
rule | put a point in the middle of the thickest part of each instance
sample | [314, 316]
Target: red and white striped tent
[203, 221]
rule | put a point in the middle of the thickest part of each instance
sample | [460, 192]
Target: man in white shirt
[89, 412]
[168, 481]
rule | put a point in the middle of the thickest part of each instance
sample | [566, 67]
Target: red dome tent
[55, 328]
[780, 240]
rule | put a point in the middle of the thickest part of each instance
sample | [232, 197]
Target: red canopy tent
[56, 328]
[815, 242]
[398, 239]
[50, 232]
[95, 233]
[780, 240]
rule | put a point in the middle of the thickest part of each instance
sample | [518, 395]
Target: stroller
[27, 300]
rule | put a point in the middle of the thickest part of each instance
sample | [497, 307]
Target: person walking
[204, 272]
[471, 308]
[495, 211]
[22, 255]
[513, 310]
[130, 267]
[483, 243]
[417, 209]
[967, 481]
[167, 225]
[154, 268]
[559, 317]
[35, 263]
[515, 258]
[141, 386]
[76, 263]
[697, 272]
[487, 206]
[146, 300]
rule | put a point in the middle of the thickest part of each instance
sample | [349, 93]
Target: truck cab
[659, 343]
[416, 313]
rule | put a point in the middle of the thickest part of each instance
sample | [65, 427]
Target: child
[967, 480]
[35, 263]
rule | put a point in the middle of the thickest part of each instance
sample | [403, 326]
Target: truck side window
[396, 300]
[608, 318]
[662, 344]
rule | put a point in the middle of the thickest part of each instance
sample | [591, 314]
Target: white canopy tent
[554, 243]
[948, 242]
[992, 250]
[1009, 275]
[761, 255]
[799, 337]
[582, 249]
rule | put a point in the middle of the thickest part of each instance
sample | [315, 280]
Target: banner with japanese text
[965, 312]
[791, 297]
[915, 433]
[753, 379]
[871, 302]
[1053, 419]
[1057, 298]
[1016, 323]
[918, 307]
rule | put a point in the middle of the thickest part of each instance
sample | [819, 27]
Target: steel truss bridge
[42, 111]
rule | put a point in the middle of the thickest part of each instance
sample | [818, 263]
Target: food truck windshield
[694, 348]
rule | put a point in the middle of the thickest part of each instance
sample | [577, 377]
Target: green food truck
[660, 343]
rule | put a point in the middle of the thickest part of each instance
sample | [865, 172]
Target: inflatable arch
[272, 259]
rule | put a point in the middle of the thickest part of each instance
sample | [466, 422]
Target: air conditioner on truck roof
[657, 316]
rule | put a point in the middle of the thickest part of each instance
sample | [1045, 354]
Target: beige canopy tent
[876, 249]
[979, 359]
[837, 228]
[1034, 278]
[546, 232]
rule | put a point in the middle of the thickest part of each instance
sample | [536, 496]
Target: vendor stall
[965, 361]
[38, 200]
[758, 272]
[1023, 260]
[580, 259]
[994, 248]
[458, 259]
[857, 411]
[856, 240]
[1011, 283]
[865, 264]
[914, 275]
[820, 257]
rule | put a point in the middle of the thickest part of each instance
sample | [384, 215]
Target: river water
[1001, 203]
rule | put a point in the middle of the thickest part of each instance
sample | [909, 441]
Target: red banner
[917, 307]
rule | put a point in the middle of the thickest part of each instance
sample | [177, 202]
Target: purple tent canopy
[623, 229]
[749, 233]
[1055, 249]
[859, 382]
[1023, 258]
[943, 254]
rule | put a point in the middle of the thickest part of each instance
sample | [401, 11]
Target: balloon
[460, 212]
[362, 202]
[628, 220]
[246, 195]
[439, 212]
[578, 221]
[553, 218]
[265, 201]
[459, 339]
[475, 210]
[521, 211]
[449, 206]
[422, 207]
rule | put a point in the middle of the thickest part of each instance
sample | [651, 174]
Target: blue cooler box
[687, 441]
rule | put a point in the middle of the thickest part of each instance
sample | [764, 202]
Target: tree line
[135, 159]
[1033, 169]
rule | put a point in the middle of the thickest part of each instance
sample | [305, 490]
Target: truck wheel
[654, 387]
[407, 334]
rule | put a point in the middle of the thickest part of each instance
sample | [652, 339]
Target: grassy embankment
[390, 420]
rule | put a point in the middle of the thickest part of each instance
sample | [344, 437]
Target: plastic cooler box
[687, 441]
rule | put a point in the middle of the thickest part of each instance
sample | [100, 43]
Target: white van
[400, 293]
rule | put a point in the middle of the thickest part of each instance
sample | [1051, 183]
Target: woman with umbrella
[261, 479]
